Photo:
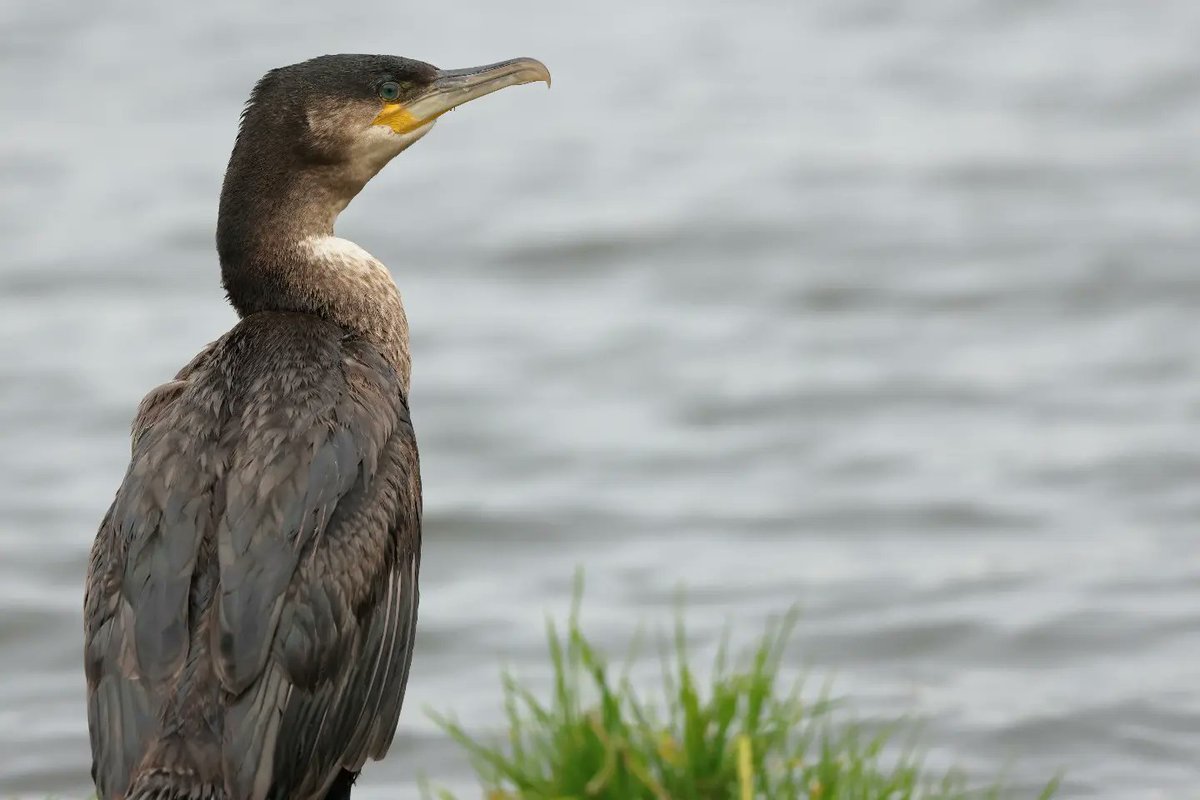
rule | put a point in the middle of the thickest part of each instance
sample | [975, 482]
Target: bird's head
[311, 136]
[348, 115]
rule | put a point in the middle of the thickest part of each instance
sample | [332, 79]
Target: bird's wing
[318, 550]
[136, 623]
[121, 709]
[293, 453]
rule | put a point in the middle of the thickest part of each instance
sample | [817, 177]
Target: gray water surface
[886, 308]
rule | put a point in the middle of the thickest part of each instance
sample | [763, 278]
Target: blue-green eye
[389, 91]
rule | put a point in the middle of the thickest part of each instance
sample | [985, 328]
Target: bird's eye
[389, 90]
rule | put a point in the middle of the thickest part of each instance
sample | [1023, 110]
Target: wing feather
[326, 640]
[345, 657]
[135, 606]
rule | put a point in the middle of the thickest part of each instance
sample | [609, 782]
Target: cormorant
[252, 592]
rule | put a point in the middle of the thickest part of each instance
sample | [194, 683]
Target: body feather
[252, 594]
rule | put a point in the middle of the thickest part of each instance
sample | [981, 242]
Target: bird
[251, 597]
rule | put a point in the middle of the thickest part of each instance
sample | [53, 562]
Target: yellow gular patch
[398, 118]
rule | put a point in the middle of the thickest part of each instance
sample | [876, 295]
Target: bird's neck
[278, 253]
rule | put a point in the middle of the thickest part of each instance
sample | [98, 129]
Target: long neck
[278, 251]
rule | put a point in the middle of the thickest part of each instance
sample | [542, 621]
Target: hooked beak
[453, 87]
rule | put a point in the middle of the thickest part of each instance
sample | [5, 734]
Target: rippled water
[888, 308]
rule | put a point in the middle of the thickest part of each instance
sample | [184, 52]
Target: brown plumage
[251, 600]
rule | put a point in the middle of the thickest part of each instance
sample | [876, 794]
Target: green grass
[737, 734]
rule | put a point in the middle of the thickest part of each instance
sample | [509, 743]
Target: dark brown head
[314, 133]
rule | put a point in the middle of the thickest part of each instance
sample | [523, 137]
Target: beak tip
[541, 73]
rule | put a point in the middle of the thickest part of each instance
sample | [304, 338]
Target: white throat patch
[379, 144]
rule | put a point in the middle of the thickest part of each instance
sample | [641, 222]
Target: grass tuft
[738, 734]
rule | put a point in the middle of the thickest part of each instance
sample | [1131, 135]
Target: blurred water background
[885, 307]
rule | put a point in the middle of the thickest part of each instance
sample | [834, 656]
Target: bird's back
[252, 593]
